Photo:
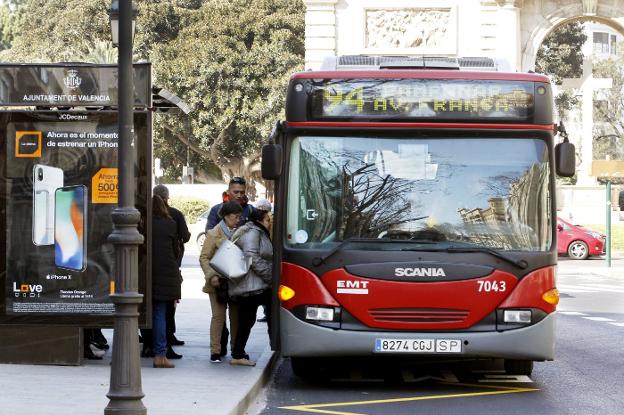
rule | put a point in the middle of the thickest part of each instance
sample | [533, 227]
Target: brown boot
[161, 362]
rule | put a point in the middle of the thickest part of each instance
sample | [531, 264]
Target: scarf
[228, 233]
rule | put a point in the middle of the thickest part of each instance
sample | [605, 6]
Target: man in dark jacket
[183, 236]
[237, 189]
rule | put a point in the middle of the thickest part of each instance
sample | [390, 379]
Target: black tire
[578, 250]
[305, 368]
[519, 367]
[200, 240]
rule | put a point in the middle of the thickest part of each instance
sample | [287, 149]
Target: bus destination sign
[423, 99]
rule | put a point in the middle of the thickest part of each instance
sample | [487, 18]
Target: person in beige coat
[215, 285]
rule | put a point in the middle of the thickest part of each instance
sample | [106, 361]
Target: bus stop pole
[125, 391]
[608, 227]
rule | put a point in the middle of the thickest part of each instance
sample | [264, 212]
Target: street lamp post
[125, 391]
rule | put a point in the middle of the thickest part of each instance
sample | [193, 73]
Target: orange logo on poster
[28, 144]
[104, 185]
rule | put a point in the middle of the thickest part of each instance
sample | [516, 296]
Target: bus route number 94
[489, 286]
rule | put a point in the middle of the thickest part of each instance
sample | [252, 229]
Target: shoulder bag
[230, 261]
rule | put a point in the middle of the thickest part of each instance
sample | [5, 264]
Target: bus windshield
[490, 192]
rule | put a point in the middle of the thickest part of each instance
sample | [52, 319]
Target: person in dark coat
[183, 237]
[166, 277]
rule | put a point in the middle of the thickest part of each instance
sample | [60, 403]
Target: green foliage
[566, 101]
[190, 207]
[10, 18]
[231, 62]
[59, 30]
[560, 55]
[70, 30]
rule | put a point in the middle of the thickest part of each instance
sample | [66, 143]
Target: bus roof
[422, 74]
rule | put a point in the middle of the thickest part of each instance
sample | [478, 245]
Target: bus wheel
[519, 367]
[304, 368]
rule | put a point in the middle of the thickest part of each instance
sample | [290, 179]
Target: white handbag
[229, 261]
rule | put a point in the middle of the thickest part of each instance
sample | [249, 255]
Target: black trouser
[247, 310]
[170, 319]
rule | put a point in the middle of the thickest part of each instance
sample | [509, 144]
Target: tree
[560, 54]
[231, 62]
[70, 30]
[609, 111]
[58, 30]
[10, 17]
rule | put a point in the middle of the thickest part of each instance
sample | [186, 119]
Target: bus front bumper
[301, 339]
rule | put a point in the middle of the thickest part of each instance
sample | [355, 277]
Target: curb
[254, 390]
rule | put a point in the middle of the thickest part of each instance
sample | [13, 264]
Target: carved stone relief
[408, 28]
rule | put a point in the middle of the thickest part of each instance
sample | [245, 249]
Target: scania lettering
[419, 272]
[415, 213]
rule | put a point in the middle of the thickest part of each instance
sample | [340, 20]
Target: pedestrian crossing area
[590, 287]
[586, 316]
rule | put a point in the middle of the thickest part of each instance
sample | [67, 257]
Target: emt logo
[27, 290]
[351, 287]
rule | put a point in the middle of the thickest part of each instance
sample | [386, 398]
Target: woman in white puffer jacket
[254, 288]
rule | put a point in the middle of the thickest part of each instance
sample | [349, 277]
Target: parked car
[199, 228]
[579, 242]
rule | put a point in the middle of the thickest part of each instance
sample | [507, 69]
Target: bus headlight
[319, 313]
[517, 316]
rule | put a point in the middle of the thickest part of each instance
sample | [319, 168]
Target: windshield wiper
[521, 263]
[319, 260]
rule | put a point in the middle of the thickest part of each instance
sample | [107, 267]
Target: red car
[578, 242]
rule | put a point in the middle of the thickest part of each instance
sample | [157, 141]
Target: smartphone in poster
[46, 180]
[58, 203]
[70, 222]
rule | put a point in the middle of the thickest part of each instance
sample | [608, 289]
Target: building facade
[509, 29]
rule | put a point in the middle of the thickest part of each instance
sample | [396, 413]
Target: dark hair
[229, 208]
[159, 208]
[237, 180]
[258, 215]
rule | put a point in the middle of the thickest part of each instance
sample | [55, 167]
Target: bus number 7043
[489, 286]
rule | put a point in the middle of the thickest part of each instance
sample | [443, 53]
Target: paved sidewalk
[195, 386]
[593, 265]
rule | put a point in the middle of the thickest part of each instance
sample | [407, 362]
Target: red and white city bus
[415, 214]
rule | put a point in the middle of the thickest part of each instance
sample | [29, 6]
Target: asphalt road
[587, 376]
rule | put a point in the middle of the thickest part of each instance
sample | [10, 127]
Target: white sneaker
[97, 352]
[242, 362]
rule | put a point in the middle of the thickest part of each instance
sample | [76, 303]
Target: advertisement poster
[59, 189]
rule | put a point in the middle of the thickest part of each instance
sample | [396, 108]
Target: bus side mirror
[565, 159]
[271, 161]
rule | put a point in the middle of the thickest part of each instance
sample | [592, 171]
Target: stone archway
[539, 17]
